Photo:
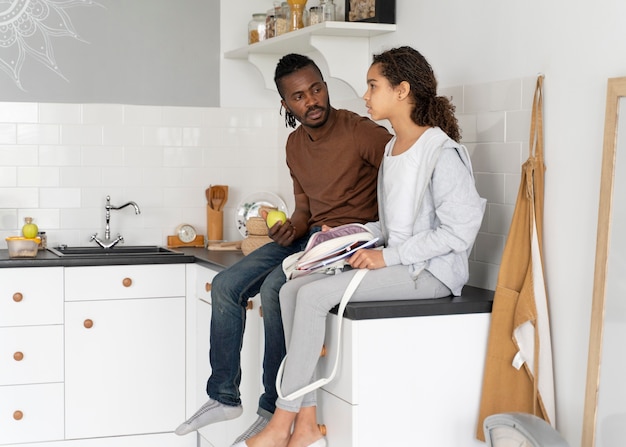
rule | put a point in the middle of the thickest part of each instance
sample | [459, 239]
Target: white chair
[520, 430]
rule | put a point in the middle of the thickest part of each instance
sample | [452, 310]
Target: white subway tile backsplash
[517, 125]
[18, 156]
[60, 113]
[186, 197]
[143, 156]
[182, 116]
[161, 177]
[162, 136]
[121, 177]
[103, 114]
[489, 247]
[490, 186]
[102, 156]
[182, 157]
[511, 187]
[8, 221]
[455, 95]
[8, 134]
[81, 134]
[493, 96]
[37, 176]
[60, 197]
[490, 127]
[122, 135]
[38, 134]
[81, 176]
[467, 124]
[18, 112]
[499, 218]
[143, 115]
[8, 176]
[19, 197]
[57, 155]
[497, 157]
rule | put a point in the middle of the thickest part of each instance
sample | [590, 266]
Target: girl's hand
[367, 259]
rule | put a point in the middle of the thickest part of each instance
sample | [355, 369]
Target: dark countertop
[472, 300]
[214, 259]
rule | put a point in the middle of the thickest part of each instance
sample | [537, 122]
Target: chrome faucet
[107, 243]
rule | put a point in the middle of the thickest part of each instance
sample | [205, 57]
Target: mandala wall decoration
[27, 29]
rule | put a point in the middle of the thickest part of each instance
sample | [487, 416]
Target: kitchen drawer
[31, 354]
[124, 281]
[345, 384]
[203, 283]
[41, 409]
[339, 418]
[31, 296]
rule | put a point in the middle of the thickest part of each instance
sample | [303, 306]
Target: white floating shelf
[344, 46]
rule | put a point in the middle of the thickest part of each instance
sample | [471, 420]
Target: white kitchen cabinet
[31, 296]
[31, 354]
[401, 381]
[125, 350]
[224, 433]
[31, 413]
[332, 40]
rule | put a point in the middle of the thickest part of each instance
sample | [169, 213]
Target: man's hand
[283, 234]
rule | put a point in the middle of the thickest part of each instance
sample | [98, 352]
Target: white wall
[577, 45]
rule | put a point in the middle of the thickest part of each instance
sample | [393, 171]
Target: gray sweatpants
[306, 301]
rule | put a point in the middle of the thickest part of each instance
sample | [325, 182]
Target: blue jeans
[260, 271]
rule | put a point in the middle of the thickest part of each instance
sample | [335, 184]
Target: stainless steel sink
[126, 251]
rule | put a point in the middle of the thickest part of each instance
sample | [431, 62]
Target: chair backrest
[520, 430]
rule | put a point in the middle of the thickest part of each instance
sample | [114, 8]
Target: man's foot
[255, 428]
[209, 413]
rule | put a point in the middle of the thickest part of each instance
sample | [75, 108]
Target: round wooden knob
[17, 297]
[127, 282]
[250, 305]
[322, 429]
[261, 311]
[323, 352]
[207, 287]
[88, 323]
[18, 415]
[18, 356]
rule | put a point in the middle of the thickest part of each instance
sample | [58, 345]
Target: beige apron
[518, 368]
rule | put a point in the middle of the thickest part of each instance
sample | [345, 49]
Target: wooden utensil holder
[215, 224]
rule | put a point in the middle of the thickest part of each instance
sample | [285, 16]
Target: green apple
[29, 230]
[274, 216]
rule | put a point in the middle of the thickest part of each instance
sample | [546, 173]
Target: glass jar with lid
[328, 10]
[270, 23]
[256, 28]
[315, 15]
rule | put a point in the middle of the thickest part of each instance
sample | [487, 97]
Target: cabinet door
[251, 359]
[125, 366]
[31, 296]
[31, 354]
[30, 413]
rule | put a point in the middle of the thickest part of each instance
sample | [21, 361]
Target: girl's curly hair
[407, 64]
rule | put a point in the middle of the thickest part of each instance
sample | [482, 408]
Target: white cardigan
[449, 212]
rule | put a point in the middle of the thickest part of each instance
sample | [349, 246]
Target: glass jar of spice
[296, 14]
[270, 24]
[256, 28]
[315, 15]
